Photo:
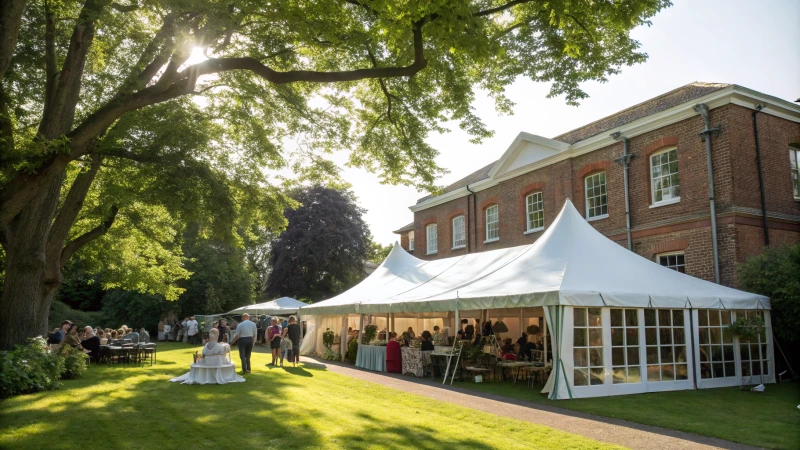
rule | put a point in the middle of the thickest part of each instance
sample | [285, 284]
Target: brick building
[513, 200]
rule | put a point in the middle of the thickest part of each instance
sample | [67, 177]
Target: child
[286, 350]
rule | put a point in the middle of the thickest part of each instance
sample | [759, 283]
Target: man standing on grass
[192, 330]
[246, 333]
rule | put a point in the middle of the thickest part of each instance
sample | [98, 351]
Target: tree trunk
[24, 307]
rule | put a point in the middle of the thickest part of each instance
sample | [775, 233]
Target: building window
[459, 234]
[665, 345]
[753, 352]
[674, 261]
[432, 239]
[410, 241]
[716, 346]
[794, 160]
[625, 346]
[534, 207]
[596, 198]
[665, 181]
[588, 347]
[492, 223]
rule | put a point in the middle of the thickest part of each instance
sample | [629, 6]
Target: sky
[755, 44]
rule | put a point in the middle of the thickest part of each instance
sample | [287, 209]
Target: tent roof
[570, 264]
[283, 305]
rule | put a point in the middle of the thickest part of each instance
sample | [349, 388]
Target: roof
[409, 227]
[559, 268]
[663, 102]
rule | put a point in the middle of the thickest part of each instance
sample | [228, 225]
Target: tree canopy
[122, 122]
[323, 249]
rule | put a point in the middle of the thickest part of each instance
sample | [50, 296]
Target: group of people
[284, 341]
[187, 330]
[90, 339]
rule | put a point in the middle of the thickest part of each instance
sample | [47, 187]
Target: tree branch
[72, 206]
[501, 8]
[10, 21]
[383, 87]
[75, 244]
[125, 8]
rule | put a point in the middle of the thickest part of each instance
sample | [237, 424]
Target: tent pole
[544, 335]
[388, 319]
[343, 338]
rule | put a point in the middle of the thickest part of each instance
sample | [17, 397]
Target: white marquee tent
[584, 283]
[283, 306]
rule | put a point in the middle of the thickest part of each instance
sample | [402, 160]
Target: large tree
[81, 83]
[322, 251]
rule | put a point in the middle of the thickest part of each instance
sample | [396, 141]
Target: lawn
[305, 407]
[770, 419]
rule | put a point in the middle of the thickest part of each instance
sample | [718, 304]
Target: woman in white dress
[214, 367]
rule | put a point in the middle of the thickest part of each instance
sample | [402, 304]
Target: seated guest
[393, 355]
[133, 336]
[91, 343]
[427, 343]
[71, 338]
[102, 335]
[507, 350]
[112, 335]
[58, 335]
[460, 335]
[121, 334]
[144, 336]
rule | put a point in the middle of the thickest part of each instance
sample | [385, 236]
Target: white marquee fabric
[283, 306]
[570, 264]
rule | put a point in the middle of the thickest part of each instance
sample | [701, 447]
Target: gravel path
[613, 431]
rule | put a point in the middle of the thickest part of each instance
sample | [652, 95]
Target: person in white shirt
[185, 329]
[167, 332]
[192, 330]
[246, 333]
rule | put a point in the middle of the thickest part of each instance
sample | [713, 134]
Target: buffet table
[415, 360]
[371, 357]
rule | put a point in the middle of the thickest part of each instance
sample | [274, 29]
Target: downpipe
[475, 220]
[706, 134]
[625, 160]
[760, 174]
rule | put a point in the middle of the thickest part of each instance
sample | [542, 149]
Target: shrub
[352, 349]
[75, 362]
[330, 355]
[775, 272]
[369, 334]
[327, 338]
[29, 368]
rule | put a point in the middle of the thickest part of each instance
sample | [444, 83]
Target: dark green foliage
[746, 329]
[377, 252]
[352, 349]
[75, 362]
[80, 289]
[60, 312]
[220, 280]
[323, 249]
[29, 368]
[327, 338]
[776, 273]
[135, 309]
[369, 333]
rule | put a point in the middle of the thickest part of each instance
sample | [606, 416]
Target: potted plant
[747, 330]
[327, 338]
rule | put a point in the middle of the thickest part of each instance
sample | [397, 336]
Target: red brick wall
[683, 224]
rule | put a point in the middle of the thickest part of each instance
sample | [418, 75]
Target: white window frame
[411, 241]
[496, 221]
[658, 259]
[585, 187]
[434, 241]
[630, 351]
[794, 165]
[659, 346]
[459, 243]
[534, 198]
[706, 357]
[663, 201]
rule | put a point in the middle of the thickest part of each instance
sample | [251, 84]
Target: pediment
[526, 149]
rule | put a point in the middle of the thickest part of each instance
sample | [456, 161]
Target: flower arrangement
[327, 338]
[532, 330]
[330, 355]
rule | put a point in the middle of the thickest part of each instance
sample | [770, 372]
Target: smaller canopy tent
[570, 264]
[283, 306]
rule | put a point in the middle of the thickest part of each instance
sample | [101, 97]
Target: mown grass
[304, 407]
[770, 419]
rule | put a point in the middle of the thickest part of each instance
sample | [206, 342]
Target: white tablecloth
[372, 357]
[217, 369]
